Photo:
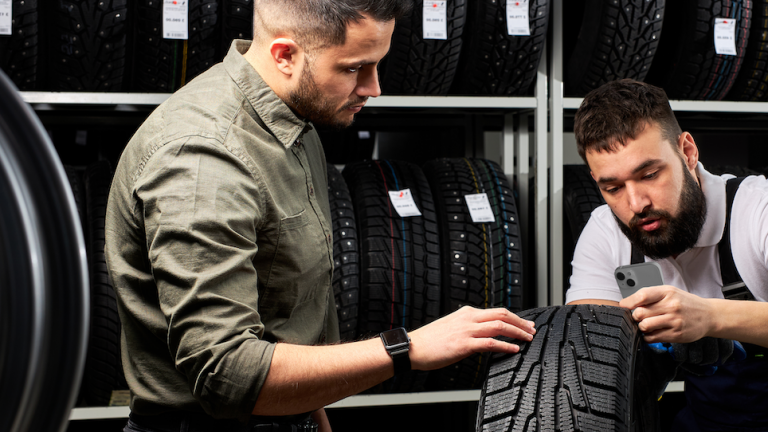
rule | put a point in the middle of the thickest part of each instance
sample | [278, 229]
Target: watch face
[395, 337]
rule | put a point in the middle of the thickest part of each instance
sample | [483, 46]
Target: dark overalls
[735, 398]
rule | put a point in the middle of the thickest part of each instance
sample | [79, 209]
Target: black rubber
[75, 177]
[103, 367]
[165, 65]
[43, 276]
[613, 40]
[400, 284]
[87, 45]
[580, 197]
[493, 62]
[482, 262]
[346, 255]
[236, 22]
[583, 371]
[752, 82]
[19, 52]
[418, 66]
[686, 64]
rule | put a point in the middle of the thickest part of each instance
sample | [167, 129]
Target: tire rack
[516, 148]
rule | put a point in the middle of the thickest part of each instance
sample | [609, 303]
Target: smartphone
[635, 276]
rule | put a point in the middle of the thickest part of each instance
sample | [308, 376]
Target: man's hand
[464, 332]
[668, 314]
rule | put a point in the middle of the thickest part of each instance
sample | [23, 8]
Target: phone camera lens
[631, 282]
[620, 276]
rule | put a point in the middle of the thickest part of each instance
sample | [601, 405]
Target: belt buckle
[307, 426]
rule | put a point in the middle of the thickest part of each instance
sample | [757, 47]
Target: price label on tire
[5, 17]
[435, 23]
[480, 208]
[517, 18]
[725, 36]
[176, 19]
[403, 202]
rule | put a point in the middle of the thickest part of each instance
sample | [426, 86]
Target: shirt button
[328, 238]
[311, 191]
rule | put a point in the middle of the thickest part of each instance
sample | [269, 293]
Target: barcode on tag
[479, 208]
[403, 202]
[517, 18]
[725, 36]
[435, 23]
[6, 22]
[175, 19]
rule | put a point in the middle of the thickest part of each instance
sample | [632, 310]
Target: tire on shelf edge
[418, 66]
[686, 65]
[584, 370]
[613, 40]
[400, 257]
[346, 255]
[507, 65]
[481, 262]
[752, 82]
[20, 52]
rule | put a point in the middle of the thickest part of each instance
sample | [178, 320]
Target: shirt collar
[714, 193]
[281, 121]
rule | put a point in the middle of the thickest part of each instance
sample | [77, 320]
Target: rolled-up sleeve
[201, 207]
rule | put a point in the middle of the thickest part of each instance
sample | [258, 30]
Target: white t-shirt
[602, 246]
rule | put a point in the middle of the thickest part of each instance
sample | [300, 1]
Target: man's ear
[688, 149]
[287, 55]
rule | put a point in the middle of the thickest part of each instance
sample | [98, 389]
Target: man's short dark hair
[620, 110]
[317, 24]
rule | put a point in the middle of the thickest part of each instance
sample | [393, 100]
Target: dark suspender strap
[733, 285]
[637, 256]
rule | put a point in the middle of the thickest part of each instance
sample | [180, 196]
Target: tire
[78, 191]
[103, 367]
[165, 65]
[87, 45]
[615, 39]
[751, 84]
[686, 65]
[584, 371]
[400, 256]
[43, 276]
[418, 66]
[236, 22]
[493, 62]
[19, 52]
[346, 255]
[581, 196]
[482, 263]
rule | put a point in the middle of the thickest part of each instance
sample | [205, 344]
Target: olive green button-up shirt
[218, 243]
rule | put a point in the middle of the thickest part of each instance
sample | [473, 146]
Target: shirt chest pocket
[300, 265]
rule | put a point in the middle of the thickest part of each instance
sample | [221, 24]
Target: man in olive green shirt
[218, 232]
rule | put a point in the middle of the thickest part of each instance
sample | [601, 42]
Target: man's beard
[308, 101]
[679, 233]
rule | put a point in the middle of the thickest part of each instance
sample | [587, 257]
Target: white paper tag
[480, 208]
[175, 19]
[5, 18]
[435, 20]
[404, 204]
[517, 18]
[725, 36]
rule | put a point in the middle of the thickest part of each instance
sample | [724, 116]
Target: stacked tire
[481, 262]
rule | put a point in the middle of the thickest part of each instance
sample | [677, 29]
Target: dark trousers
[195, 422]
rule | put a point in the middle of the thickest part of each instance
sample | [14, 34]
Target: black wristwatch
[397, 343]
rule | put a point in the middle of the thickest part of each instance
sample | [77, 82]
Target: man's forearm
[306, 378]
[745, 321]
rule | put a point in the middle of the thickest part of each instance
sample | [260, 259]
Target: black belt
[200, 422]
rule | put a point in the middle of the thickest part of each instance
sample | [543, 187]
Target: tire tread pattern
[19, 52]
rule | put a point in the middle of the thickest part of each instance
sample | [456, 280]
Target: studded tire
[481, 262]
[752, 82]
[236, 22]
[613, 40]
[585, 370]
[493, 62]
[581, 196]
[686, 64]
[419, 66]
[87, 45]
[165, 65]
[346, 255]
[400, 282]
[20, 52]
